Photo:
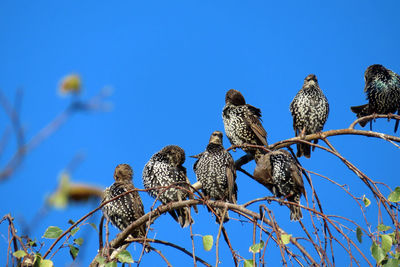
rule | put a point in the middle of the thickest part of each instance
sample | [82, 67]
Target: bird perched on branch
[164, 169]
[382, 87]
[278, 171]
[242, 123]
[215, 170]
[310, 111]
[128, 208]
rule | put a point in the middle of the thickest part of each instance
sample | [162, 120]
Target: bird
[309, 109]
[215, 170]
[242, 123]
[165, 169]
[382, 87]
[279, 172]
[126, 209]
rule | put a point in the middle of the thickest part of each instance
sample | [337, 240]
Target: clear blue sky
[170, 64]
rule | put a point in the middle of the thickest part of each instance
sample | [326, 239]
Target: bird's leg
[302, 133]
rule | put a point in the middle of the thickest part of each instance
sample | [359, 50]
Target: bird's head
[216, 138]
[311, 78]
[234, 97]
[175, 154]
[373, 71]
[123, 173]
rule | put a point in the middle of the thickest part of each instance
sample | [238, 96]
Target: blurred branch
[95, 103]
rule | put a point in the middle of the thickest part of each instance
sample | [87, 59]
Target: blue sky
[170, 64]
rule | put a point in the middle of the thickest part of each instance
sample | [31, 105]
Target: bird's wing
[254, 122]
[231, 178]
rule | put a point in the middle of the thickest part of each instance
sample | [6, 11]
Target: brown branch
[142, 240]
[373, 117]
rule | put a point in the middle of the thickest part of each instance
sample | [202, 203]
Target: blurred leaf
[366, 201]
[78, 241]
[32, 243]
[73, 251]
[359, 234]
[73, 231]
[19, 254]
[125, 256]
[208, 242]
[285, 238]
[94, 226]
[395, 195]
[377, 252]
[59, 199]
[71, 222]
[256, 247]
[111, 264]
[382, 227]
[52, 232]
[100, 260]
[386, 243]
[392, 263]
[70, 84]
[46, 263]
[248, 263]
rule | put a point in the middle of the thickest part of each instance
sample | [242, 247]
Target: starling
[215, 170]
[165, 169]
[278, 171]
[242, 123]
[310, 111]
[382, 87]
[124, 210]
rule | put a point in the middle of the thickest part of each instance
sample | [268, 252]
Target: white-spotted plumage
[310, 109]
[165, 169]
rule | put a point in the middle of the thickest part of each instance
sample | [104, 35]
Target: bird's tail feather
[295, 211]
[220, 213]
[361, 111]
[303, 149]
[184, 217]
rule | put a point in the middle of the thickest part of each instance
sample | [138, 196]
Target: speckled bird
[278, 171]
[215, 170]
[242, 123]
[124, 210]
[164, 169]
[310, 111]
[382, 87]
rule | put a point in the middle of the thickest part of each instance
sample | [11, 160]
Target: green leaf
[377, 252]
[255, 248]
[386, 243]
[100, 260]
[285, 238]
[359, 234]
[208, 242]
[52, 232]
[19, 254]
[78, 241]
[248, 263]
[382, 227]
[395, 195]
[366, 201]
[73, 251]
[32, 243]
[111, 264]
[94, 226]
[73, 231]
[125, 256]
[392, 263]
[46, 263]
